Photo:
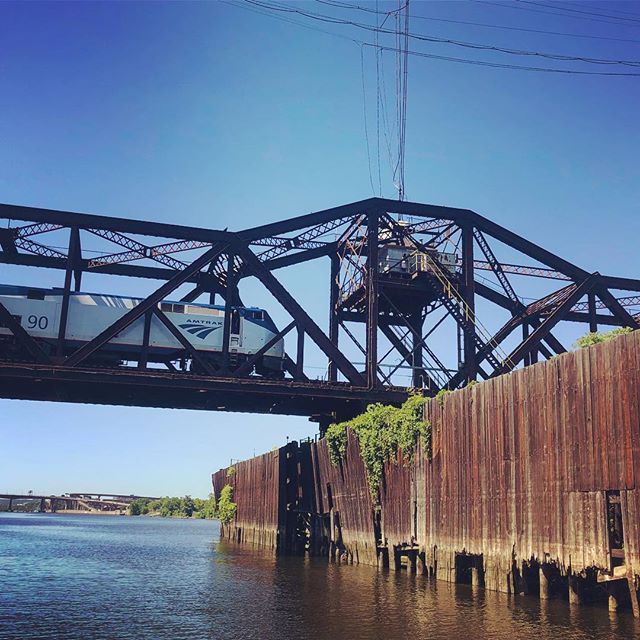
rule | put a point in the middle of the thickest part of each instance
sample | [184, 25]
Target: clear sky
[216, 115]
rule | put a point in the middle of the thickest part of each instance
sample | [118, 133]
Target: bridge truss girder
[398, 314]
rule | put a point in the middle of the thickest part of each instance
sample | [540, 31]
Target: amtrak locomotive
[38, 311]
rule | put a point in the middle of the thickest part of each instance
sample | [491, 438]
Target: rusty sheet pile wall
[525, 464]
[256, 491]
[346, 502]
[529, 469]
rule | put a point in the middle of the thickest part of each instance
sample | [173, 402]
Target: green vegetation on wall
[381, 431]
[596, 337]
[440, 396]
[226, 508]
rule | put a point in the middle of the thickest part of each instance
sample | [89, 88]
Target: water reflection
[354, 602]
[67, 577]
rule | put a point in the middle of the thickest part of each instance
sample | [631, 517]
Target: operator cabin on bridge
[38, 312]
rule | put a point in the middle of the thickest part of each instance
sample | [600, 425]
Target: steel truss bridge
[390, 317]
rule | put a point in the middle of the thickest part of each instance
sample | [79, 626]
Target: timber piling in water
[533, 487]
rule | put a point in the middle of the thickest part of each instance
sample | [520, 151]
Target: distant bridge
[94, 495]
[392, 313]
[73, 501]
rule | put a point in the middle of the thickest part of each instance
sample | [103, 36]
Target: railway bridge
[416, 296]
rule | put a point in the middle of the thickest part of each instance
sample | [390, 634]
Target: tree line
[188, 507]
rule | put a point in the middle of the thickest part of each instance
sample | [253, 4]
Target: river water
[86, 577]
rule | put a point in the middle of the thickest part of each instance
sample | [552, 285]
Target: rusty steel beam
[35, 229]
[468, 296]
[523, 270]
[371, 355]
[626, 319]
[302, 222]
[72, 260]
[122, 225]
[543, 329]
[137, 251]
[407, 355]
[297, 313]
[38, 249]
[302, 256]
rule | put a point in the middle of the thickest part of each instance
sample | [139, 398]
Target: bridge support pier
[10, 504]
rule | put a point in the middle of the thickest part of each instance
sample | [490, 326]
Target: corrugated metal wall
[520, 469]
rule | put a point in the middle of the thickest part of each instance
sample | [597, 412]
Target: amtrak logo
[197, 330]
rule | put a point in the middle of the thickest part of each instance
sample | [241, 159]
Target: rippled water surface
[85, 577]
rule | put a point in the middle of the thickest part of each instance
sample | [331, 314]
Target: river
[100, 577]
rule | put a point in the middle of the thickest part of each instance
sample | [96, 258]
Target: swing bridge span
[397, 275]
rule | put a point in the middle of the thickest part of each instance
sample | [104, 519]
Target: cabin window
[203, 311]
[171, 308]
[35, 294]
[235, 321]
[257, 315]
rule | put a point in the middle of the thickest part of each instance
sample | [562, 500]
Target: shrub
[596, 337]
[226, 508]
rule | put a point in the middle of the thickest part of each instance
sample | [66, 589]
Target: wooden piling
[573, 589]
[544, 583]
[633, 593]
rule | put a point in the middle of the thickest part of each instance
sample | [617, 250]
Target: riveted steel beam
[297, 313]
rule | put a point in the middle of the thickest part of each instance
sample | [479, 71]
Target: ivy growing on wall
[381, 431]
[226, 508]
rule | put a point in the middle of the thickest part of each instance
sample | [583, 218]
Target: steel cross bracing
[394, 310]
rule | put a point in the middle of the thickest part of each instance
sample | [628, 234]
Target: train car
[38, 311]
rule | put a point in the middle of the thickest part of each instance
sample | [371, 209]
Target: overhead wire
[434, 39]
[629, 13]
[349, 6]
[498, 65]
[552, 13]
[240, 4]
[364, 109]
[589, 13]
[378, 98]
[403, 100]
[514, 67]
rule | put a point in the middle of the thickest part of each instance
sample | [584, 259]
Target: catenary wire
[564, 34]
[364, 109]
[434, 39]
[589, 13]
[552, 13]
[513, 67]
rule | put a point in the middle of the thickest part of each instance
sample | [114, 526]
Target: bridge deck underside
[148, 388]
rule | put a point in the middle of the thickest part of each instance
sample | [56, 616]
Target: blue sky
[213, 115]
